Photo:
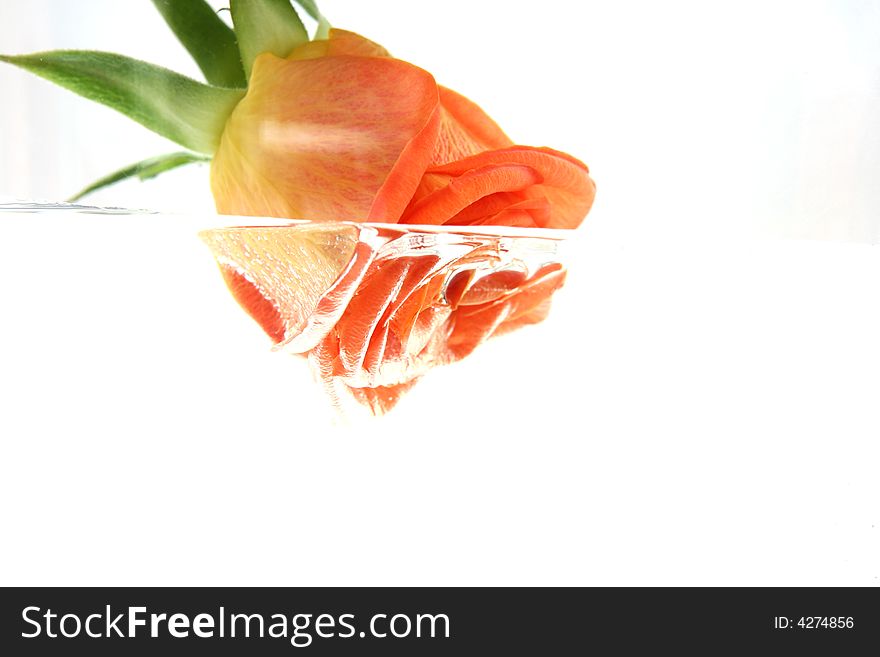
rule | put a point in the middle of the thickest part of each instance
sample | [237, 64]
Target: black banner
[447, 621]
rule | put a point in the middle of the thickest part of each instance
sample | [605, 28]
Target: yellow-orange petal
[339, 42]
[334, 138]
[465, 129]
[281, 275]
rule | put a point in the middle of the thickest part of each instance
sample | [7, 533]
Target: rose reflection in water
[375, 306]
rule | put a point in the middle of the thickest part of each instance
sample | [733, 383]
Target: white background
[701, 407]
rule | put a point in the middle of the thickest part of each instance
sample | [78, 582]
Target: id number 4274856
[814, 623]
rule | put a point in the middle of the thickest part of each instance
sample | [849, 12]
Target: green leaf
[311, 8]
[209, 40]
[144, 170]
[179, 108]
[266, 26]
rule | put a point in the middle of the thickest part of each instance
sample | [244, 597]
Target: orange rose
[400, 264]
[339, 130]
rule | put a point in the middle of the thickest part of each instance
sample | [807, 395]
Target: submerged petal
[281, 276]
[375, 306]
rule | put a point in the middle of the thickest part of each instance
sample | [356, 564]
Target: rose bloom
[339, 131]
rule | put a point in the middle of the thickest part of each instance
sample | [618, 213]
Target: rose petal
[493, 286]
[335, 138]
[340, 42]
[466, 188]
[281, 275]
[332, 304]
[471, 329]
[381, 399]
[379, 289]
[465, 129]
[473, 325]
[386, 345]
[562, 181]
